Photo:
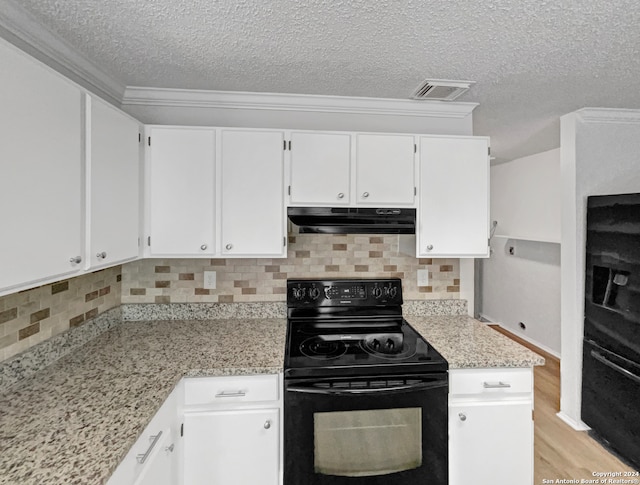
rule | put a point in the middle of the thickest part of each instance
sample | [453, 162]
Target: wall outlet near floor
[210, 280]
[423, 277]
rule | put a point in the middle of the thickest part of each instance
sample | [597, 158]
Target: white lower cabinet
[232, 430]
[491, 427]
[154, 459]
[235, 447]
[160, 467]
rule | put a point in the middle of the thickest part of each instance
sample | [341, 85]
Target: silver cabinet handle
[499, 385]
[232, 394]
[365, 195]
[462, 416]
[267, 424]
[429, 247]
[76, 260]
[143, 457]
[101, 255]
[340, 195]
[228, 247]
[169, 449]
[203, 247]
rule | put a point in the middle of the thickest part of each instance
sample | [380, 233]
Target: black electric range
[365, 399]
[353, 327]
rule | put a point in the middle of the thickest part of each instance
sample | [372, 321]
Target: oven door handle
[381, 390]
[628, 374]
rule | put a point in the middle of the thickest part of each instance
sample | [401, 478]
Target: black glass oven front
[389, 430]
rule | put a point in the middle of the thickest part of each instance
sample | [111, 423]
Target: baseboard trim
[577, 425]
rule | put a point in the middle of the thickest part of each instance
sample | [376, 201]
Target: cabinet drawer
[491, 383]
[222, 390]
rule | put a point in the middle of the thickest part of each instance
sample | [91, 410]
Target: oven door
[387, 430]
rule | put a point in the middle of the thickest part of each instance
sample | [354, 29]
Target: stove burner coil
[387, 347]
[318, 348]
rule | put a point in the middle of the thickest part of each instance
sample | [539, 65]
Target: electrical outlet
[210, 280]
[423, 277]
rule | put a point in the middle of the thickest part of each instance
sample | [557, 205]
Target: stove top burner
[352, 328]
[321, 349]
[387, 346]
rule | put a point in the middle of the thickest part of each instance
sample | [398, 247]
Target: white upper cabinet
[181, 191]
[41, 172]
[453, 214]
[354, 169]
[320, 168]
[252, 193]
[385, 168]
[113, 185]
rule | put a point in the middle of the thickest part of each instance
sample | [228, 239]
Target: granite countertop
[467, 343]
[72, 422]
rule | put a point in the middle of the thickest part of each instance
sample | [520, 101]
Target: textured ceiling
[532, 60]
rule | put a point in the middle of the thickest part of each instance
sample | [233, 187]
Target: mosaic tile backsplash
[309, 256]
[33, 316]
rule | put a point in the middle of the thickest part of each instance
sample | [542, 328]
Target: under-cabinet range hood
[353, 220]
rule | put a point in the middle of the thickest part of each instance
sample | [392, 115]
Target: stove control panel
[344, 292]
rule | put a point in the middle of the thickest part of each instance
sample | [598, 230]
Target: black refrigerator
[611, 351]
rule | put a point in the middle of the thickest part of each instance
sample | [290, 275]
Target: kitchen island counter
[74, 421]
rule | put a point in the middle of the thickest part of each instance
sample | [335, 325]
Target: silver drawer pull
[267, 424]
[232, 394]
[462, 416]
[143, 457]
[499, 385]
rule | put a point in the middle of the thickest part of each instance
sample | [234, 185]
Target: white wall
[600, 155]
[525, 197]
[525, 286]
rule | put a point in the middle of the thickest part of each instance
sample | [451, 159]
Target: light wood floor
[560, 451]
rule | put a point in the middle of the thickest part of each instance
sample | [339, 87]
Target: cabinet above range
[351, 169]
[224, 192]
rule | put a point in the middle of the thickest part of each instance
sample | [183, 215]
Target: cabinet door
[453, 217]
[181, 179]
[232, 447]
[160, 466]
[385, 170]
[491, 443]
[252, 204]
[159, 445]
[41, 172]
[320, 169]
[113, 173]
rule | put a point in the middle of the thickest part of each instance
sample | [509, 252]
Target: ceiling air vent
[440, 90]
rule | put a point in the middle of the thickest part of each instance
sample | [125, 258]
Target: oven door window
[367, 443]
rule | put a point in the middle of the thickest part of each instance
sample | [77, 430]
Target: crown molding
[21, 29]
[197, 98]
[609, 115]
